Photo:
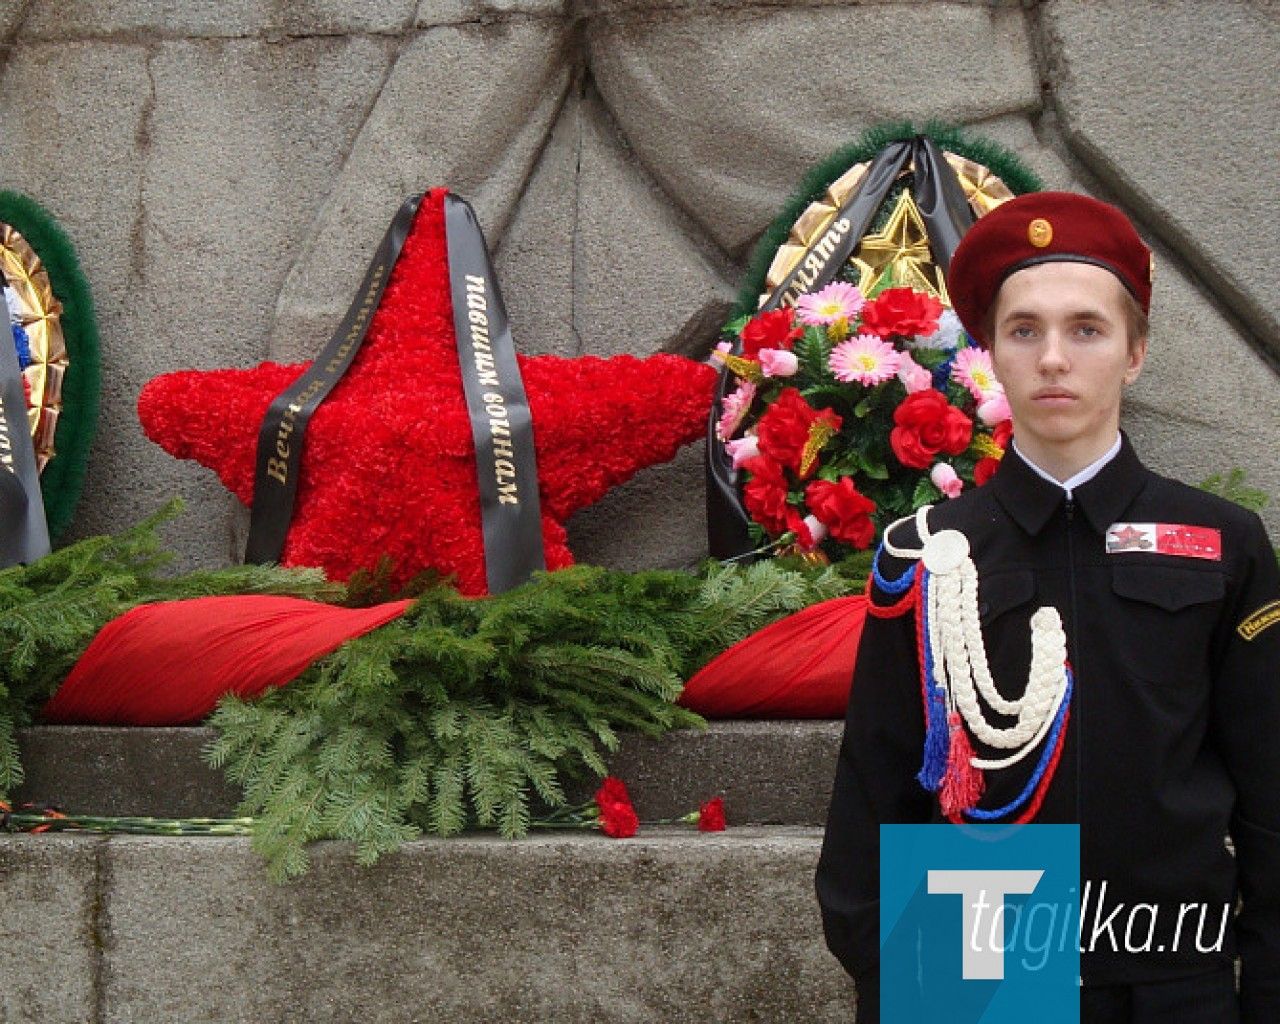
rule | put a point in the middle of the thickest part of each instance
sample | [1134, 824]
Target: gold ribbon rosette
[901, 243]
[35, 322]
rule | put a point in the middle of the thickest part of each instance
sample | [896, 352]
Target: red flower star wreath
[390, 466]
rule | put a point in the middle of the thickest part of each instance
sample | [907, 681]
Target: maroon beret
[1044, 227]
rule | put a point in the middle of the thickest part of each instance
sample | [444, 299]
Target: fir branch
[460, 713]
[813, 351]
[1233, 487]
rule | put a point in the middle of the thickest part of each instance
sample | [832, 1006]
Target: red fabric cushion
[169, 663]
[799, 667]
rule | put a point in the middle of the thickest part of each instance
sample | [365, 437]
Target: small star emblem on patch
[1128, 538]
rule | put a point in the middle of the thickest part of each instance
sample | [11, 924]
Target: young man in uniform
[1165, 735]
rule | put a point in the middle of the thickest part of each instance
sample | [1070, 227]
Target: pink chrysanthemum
[733, 410]
[866, 359]
[837, 301]
[973, 369]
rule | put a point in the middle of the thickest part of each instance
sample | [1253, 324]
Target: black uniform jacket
[1173, 740]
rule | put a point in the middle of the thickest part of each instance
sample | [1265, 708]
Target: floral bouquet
[851, 412]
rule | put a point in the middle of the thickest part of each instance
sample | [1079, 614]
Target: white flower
[948, 334]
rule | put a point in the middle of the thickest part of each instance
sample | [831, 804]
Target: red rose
[775, 329]
[711, 815]
[926, 424]
[985, 469]
[843, 510]
[1002, 433]
[765, 495]
[901, 311]
[783, 430]
[617, 816]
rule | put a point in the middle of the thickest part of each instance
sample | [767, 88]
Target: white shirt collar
[1083, 477]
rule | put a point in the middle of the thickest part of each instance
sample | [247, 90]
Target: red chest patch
[1165, 539]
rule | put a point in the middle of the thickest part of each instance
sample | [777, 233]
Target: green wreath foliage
[63, 478]
[464, 712]
[51, 609]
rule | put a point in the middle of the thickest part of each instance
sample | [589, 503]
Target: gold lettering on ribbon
[367, 305]
[495, 405]
[278, 467]
[815, 260]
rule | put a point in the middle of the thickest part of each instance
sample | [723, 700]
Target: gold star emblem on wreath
[902, 245]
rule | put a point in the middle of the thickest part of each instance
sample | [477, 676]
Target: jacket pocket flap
[1001, 591]
[1167, 586]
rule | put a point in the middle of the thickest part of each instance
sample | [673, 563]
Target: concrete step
[671, 926]
[768, 772]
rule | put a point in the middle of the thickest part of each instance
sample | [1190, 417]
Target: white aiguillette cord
[960, 665]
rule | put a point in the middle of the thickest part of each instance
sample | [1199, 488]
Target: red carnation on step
[617, 815]
[711, 815]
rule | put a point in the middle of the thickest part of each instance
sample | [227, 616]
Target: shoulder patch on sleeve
[1256, 622]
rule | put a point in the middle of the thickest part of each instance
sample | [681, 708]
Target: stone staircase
[669, 926]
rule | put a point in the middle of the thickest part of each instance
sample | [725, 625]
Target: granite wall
[226, 168]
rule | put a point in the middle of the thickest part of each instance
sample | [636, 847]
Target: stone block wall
[226, 167]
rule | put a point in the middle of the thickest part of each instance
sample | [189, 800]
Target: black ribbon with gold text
[501, 424]
[946, 215]
[24, 535]
[284, 428]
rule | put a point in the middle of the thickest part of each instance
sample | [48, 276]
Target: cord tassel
[963, 785]
[937, 744]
